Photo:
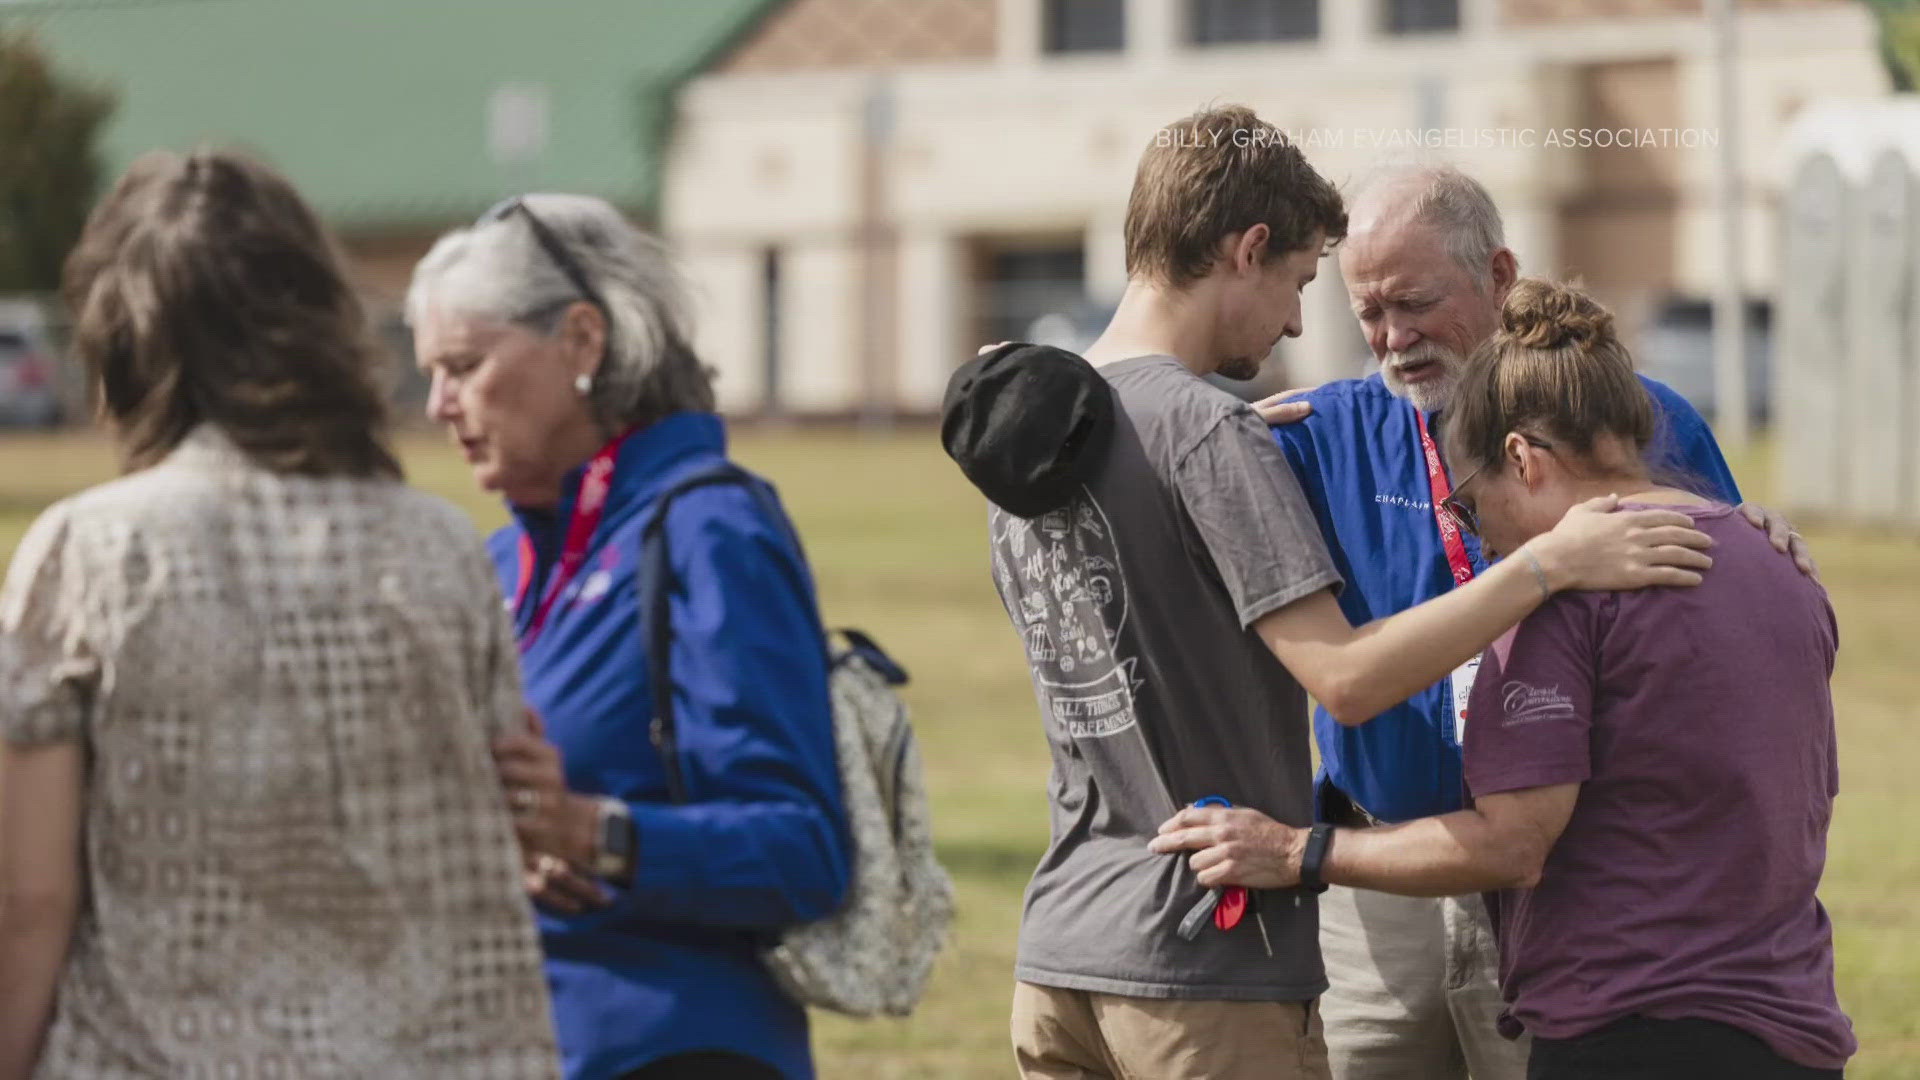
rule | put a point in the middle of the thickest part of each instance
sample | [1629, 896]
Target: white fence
[1847, 395]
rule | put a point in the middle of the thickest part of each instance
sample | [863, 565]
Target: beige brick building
[862, 190]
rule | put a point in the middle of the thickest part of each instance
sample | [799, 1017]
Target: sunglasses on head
[556, 250]
[1463, 514]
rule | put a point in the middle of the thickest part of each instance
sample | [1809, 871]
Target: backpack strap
[656, 588]
[864, 647]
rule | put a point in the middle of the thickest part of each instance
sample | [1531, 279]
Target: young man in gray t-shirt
[1172, 610]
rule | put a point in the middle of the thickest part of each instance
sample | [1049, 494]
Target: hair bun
[1543, 315]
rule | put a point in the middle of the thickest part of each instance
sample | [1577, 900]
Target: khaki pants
[1080, 1035]
[1413, 989]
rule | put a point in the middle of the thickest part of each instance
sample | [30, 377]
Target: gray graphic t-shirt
[1134, 603]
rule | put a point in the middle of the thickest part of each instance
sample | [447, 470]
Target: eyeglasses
[1465, 515]
[556, 250]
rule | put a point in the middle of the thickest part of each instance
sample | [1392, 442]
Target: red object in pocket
[1232, 907]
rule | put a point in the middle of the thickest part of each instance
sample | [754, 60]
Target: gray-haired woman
[555, 337]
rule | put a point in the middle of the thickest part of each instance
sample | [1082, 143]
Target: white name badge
[1462, 680]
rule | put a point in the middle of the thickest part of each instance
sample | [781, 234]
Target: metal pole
[1729, 298]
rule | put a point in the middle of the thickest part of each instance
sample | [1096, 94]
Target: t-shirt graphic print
[1133, 603]
[1072, 606]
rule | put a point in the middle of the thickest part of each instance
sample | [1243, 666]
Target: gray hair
[499, 269]
[1453, 204]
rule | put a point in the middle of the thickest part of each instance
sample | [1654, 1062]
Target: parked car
[29, 386]
[1677, 348]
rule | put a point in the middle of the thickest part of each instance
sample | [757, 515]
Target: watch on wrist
[613, 841]
[1315, 857]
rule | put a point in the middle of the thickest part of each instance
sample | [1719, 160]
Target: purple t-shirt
[1700, 728]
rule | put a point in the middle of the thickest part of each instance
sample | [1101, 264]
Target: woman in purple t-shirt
[1652, 773]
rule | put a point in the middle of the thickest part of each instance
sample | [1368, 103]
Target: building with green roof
[399, 117]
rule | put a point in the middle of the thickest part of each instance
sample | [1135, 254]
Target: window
[517, 123]
[1084, 26]
[1024, 281]
[1421, 16]
[408, 393]
[1223, 22]
[1678, 344]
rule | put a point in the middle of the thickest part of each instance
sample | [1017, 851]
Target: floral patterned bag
[874, 955]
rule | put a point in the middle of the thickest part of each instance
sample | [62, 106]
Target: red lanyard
[587, 511]
[1449, 530]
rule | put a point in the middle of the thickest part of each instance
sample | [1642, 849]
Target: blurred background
[863, 191]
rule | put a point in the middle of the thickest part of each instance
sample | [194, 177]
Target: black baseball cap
[1027, 424]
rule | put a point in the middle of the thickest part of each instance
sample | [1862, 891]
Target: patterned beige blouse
[298, 859]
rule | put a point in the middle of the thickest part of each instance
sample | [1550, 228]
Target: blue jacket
[671, 965]
[1358, 458]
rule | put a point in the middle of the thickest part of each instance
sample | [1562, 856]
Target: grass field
[896, 539]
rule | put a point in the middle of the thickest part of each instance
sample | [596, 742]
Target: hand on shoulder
[1282, 408]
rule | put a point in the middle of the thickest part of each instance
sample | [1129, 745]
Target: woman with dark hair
[249, 821]
[555, 334]
[1652, 773]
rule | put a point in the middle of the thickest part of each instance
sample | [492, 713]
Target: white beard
[1431, 395]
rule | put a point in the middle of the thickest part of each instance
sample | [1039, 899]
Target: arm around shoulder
[1358, 673]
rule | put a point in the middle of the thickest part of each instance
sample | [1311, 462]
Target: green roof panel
[379, 109]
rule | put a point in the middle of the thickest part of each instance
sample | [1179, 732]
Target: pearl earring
[583, 385]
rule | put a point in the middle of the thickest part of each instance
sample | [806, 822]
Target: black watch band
[1315, 857]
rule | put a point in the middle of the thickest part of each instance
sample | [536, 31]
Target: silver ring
[523, 798]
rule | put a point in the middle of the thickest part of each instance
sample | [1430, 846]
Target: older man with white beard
[1413, 994]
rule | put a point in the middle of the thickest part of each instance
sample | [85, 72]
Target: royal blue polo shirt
[1359, 460]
